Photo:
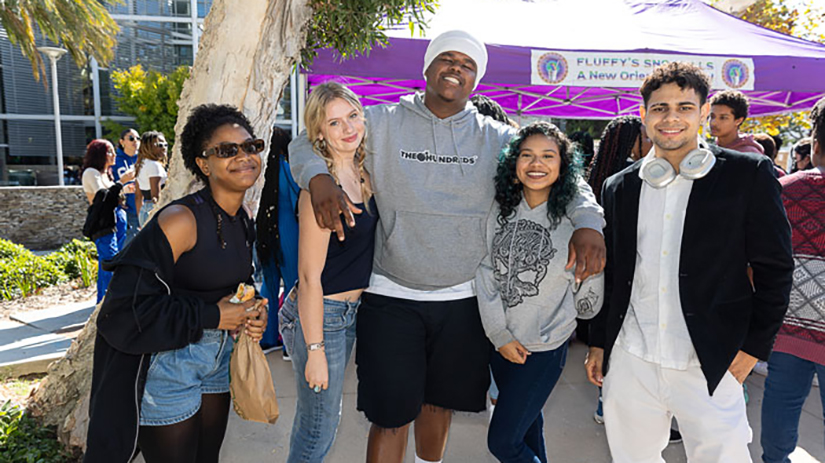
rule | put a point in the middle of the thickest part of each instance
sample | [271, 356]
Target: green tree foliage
[150, 97]
[355, 26]
[805, 21]
[83, 27]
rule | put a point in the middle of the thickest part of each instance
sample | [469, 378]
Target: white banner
[628, 70]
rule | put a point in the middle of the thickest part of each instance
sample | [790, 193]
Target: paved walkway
[571, 434]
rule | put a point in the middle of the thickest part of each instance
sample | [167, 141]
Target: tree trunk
[245, 57]
[245, 62]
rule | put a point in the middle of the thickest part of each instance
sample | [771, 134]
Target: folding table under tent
[585, 59]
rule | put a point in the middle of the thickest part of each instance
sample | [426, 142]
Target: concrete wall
[42, 217]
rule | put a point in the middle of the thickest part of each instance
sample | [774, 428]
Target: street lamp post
[55, 54]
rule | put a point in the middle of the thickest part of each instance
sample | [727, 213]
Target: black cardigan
[140, 315]
[734, 218]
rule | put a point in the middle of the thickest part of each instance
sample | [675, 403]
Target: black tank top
[211, 270]
[349, 263]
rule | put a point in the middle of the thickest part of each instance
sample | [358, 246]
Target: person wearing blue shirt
[127, 149]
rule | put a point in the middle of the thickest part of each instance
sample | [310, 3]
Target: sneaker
[598, 417]
[675, 437]
[287, 358]
[271, 349]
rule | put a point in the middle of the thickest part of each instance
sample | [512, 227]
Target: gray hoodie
[432, 180]
[524, 293]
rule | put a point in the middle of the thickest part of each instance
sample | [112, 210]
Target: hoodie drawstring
[455, 146]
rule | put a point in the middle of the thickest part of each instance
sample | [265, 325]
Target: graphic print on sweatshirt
[521, 253]
[426, 157]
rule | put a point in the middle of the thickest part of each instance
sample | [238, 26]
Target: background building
[155, 33]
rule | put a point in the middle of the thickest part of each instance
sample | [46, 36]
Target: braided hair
[618, 140]
[266, 223]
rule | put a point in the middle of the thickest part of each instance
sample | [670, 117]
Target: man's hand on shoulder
[588, 252]
[329, 202]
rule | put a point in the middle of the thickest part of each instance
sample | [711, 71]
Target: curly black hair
[685, 75]
[203, 121]
[509, 192]
[818, 124]
[733, 99]
[489, 108]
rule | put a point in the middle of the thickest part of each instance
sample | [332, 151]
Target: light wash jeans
[145, 209]
[317, 414]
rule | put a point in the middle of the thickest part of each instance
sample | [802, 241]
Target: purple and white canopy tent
[585, 59]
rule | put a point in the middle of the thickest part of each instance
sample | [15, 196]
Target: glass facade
[154, 33]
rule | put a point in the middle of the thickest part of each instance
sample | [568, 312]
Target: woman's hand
[316, 371]
[256, 323]
[127, 176]
[514, 352]
[233, 315]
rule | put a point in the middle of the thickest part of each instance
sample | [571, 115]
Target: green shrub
[22, 273]
[9, 250]
[75, 258]
[23, 440]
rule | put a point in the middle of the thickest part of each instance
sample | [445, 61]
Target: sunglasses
[230, 150]
[161, 145]
[132, 138]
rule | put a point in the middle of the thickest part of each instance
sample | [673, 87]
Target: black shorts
[410, 353]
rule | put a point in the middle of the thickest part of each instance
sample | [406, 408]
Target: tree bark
[245, 58]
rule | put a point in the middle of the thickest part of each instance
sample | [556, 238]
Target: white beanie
[462, 42]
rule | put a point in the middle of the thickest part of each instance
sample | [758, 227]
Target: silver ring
[317, 389]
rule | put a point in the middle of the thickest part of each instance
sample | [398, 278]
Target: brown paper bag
[250, 381]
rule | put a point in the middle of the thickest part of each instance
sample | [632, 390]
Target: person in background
[584, 145]
[127, 150]
[801, 152]
[151, 173]
[528, 301]
[769, 147]
[799, 352]
[728, 110]
[277, 226]
[97, 163]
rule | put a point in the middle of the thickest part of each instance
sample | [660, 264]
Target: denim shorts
[177, 379]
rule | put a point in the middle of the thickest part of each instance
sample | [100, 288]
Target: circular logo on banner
[735, 73]
[552, 67]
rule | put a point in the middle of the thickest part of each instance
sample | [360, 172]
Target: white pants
[640, 398]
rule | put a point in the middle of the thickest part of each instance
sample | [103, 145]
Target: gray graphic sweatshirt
[432, 180]
[524, 293]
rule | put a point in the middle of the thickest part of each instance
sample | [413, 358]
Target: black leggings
[196, 440]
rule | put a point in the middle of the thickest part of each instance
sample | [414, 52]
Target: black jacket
[734, 218]
[140, 315]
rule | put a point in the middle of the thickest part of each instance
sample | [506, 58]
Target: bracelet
[315, 346]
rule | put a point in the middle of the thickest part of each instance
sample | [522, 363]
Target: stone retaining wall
[42, 217]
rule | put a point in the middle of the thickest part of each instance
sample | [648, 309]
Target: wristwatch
[315, 346]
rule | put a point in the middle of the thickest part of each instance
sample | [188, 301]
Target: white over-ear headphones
[658, 172]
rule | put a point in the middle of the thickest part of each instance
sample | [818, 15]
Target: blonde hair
[147, 150]
[315, 115]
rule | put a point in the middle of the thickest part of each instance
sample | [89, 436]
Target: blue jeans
[317, 414]
[132, 225]
[516, 433]
[145, 209]
[786, 388]
[106, 250]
